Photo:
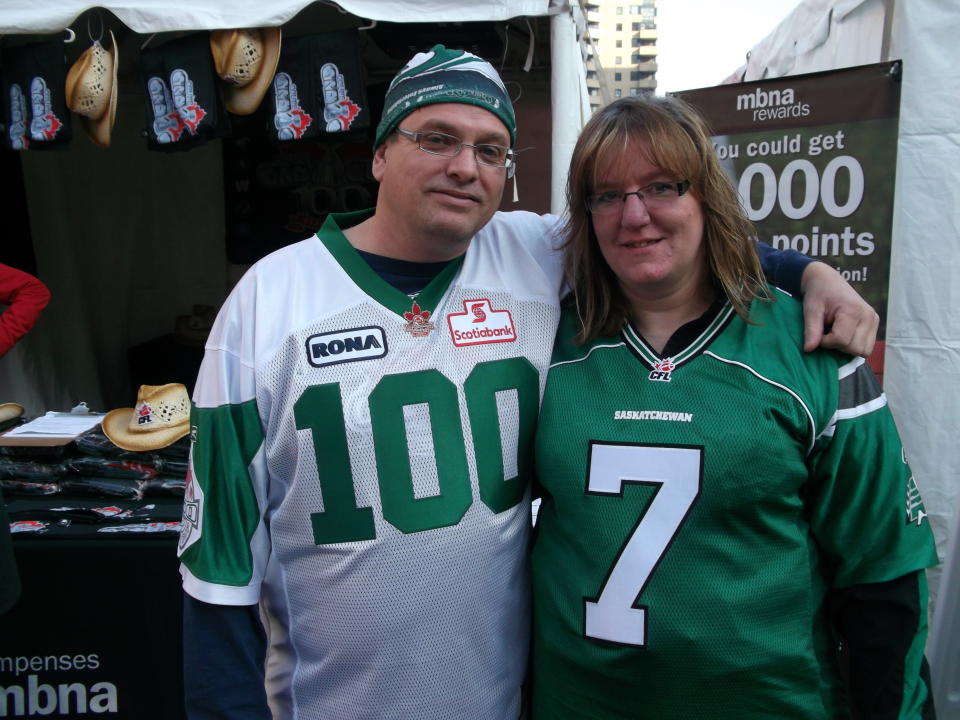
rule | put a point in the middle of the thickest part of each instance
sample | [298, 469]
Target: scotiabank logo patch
[479, 323]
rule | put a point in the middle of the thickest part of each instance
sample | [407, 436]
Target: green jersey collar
[720, 313]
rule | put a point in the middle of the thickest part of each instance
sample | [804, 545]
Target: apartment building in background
[621, 49]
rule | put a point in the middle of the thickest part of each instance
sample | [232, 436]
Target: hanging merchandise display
[184, 96]
[35, 111]
[318, 88]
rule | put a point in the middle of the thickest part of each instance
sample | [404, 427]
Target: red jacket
[26, 297]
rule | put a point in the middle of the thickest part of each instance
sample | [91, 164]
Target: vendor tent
[130, 240]
[922, 366]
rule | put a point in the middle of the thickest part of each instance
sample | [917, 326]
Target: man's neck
[406, 276]
[377, 236]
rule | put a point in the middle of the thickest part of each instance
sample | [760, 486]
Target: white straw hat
[92, 90]
[246, 60]
[161, 417]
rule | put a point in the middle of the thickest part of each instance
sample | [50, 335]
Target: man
[362, 430]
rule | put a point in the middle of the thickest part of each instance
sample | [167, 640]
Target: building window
[619, 27]
[617, 93]
[634, 92]
[619, 9]
[617, 76]
[618, 60]
[619, 43]
[648, 12]
[636, 27]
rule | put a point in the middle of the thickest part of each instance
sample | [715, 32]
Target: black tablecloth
[96, 631]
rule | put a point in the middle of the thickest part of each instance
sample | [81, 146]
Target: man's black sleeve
[224, 648]
[783, 268]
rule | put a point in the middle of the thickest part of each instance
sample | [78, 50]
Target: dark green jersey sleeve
[869, 520]
[865, 508]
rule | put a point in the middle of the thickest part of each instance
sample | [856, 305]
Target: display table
[97, 629]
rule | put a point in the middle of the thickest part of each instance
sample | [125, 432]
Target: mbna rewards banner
[814, 159]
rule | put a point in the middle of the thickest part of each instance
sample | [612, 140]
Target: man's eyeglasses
[653, 195]
[438, 143]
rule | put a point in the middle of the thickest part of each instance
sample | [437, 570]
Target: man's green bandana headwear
[445, 76]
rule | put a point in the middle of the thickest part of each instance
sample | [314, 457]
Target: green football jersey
[697, 509]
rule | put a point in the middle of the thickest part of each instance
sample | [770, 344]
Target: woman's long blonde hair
[677, 140]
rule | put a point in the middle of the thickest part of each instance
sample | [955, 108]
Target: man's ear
[380, 161]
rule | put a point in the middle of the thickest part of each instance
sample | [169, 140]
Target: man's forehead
[458, 118]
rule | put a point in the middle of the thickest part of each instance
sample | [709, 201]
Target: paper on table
[57, 424]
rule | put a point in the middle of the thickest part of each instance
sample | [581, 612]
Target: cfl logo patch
[661, 370]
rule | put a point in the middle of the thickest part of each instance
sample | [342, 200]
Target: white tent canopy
[150, 16]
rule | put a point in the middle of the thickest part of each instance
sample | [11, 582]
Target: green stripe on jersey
[225, 440]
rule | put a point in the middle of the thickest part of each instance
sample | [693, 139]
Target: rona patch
[342, 346]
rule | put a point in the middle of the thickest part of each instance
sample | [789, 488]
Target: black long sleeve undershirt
[224, 648]
[877, 624]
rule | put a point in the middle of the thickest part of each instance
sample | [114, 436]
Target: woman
[721, 511]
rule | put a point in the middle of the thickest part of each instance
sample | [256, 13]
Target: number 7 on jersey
[676, 471]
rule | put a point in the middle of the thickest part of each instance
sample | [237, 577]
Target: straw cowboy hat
[161, 417]
[92, 90]
[8, 413]
[246, 61]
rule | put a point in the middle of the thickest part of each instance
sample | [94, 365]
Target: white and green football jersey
[360, 465]
[697, 508]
